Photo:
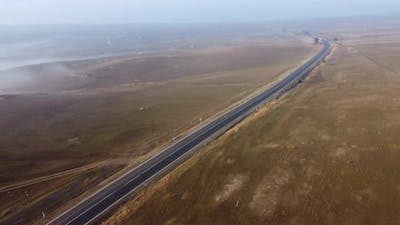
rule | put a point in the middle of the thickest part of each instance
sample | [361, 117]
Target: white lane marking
[318, 58]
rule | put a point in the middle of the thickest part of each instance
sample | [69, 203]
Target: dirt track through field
[18, 185]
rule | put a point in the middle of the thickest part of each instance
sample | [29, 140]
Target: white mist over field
[38, 32]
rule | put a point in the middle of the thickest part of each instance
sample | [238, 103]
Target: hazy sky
[139, 11]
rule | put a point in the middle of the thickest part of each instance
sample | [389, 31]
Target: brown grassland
[83, 122]
[327, 153]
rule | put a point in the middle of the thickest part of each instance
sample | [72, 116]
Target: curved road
[97, 204]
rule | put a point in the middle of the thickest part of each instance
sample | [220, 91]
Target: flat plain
[327, 153]
[76, 124]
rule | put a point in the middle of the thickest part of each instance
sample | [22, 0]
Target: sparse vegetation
[115, 112]
[326, 154]
[129, 107]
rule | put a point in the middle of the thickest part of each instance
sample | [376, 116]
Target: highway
[111, 195]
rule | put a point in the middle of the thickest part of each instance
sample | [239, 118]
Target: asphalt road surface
[97, 204]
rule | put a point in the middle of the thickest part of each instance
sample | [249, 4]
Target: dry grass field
[327, 153]
[78, 123]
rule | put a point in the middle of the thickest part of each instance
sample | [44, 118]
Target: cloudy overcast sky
[145, 11]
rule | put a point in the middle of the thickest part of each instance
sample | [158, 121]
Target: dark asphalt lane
[94, 206]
